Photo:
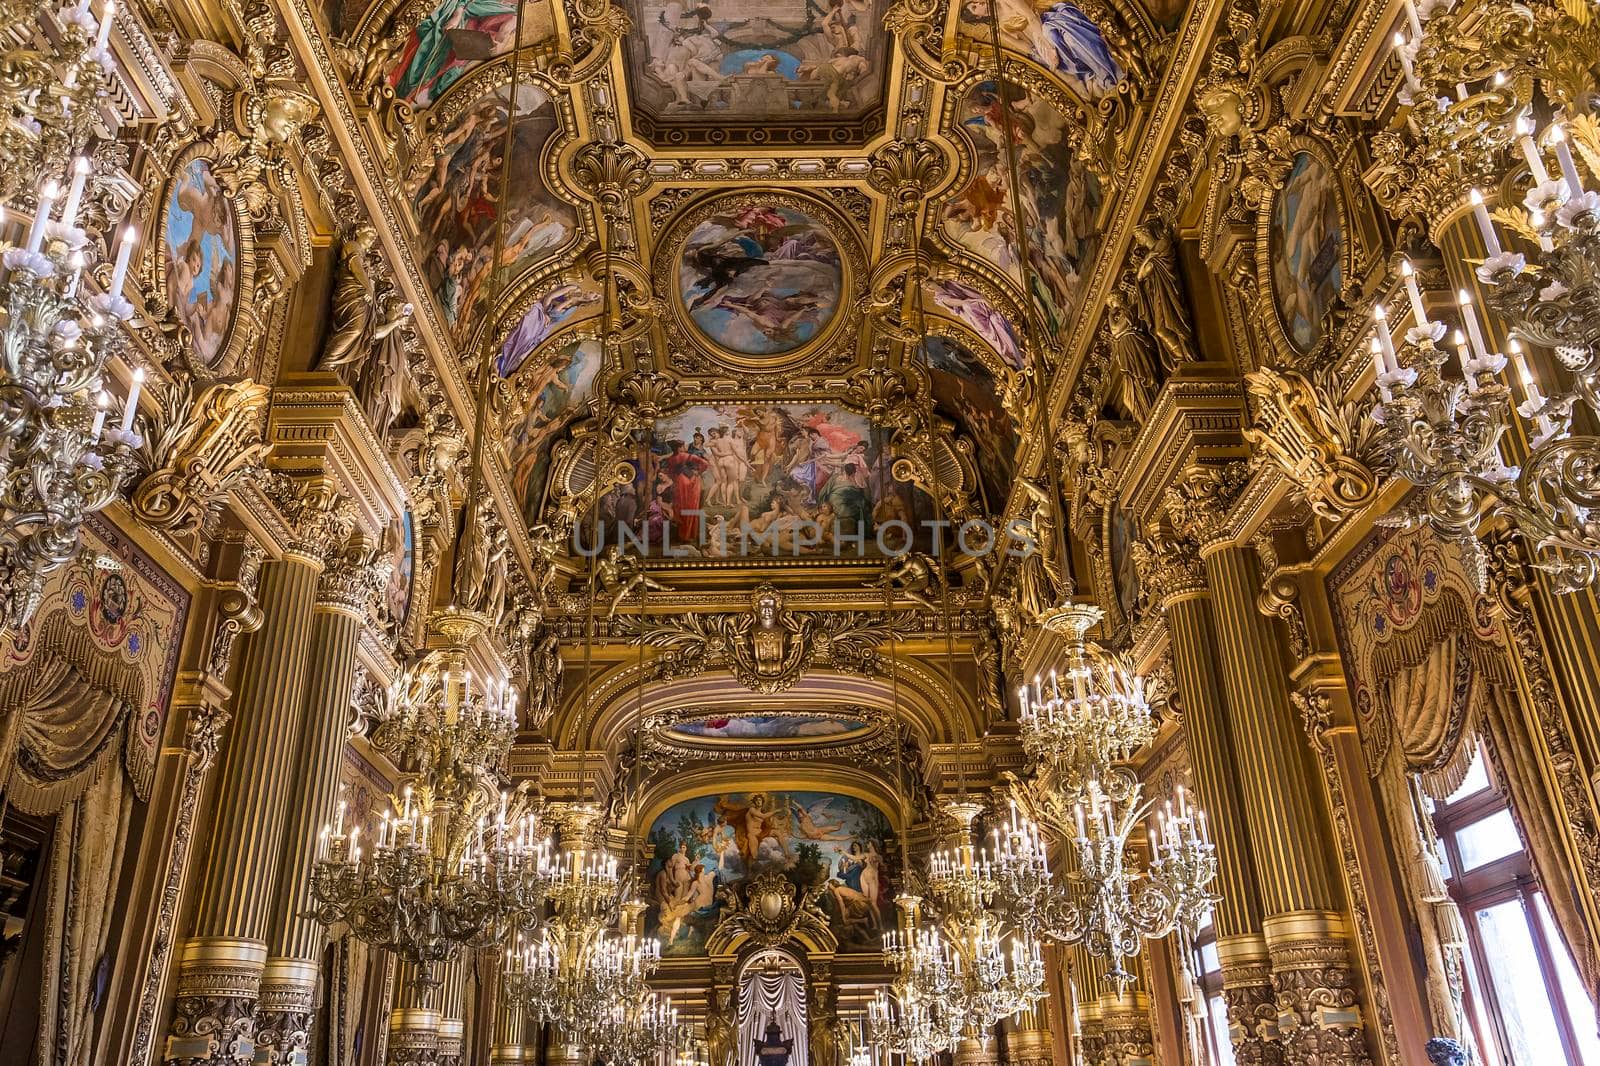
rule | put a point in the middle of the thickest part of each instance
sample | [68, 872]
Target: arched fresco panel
[1059, 37]
[813, 838]
[458, 201]
[1059, 196]
[967, 392]
[456, 37]
[559, 388]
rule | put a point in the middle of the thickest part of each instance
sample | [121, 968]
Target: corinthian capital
[315, 510]
[353, 576]
[1169, 567]
[1200, 502]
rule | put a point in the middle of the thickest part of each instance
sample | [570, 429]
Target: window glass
[1531, 1028]
[1220, 1043]
[1477, 1006]
[1580, 1008]
[1488, 839]
[1209, 960]
[1476, 781]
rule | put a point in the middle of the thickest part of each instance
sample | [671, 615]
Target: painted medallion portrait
[202, 258]
[459, 202]
[812, 838]
[401, 541]
[756, 60]
[761, 280]
[1305, 245]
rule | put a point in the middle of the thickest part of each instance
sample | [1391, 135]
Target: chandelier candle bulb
[100, 403]
[1480, 212]
[1569, 169]
[1403, 50]
[1381, 318]
[1411, 17]
[108, 15]
[1530, 149]
[131, 408]
[119, 272]
[1408, 275]
[47, 198]
[1475, 334]
[80, 175]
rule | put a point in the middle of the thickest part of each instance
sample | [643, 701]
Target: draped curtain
[63, 723]
[1444, 693]
[772, 995]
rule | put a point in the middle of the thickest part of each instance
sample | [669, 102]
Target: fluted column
[221, 964]
[512, 1044]
[1170, 567]
[1087, 1036]
[1125, 1021]
[413, 1022]
[1301, 902]
[1028, 1036]
[288, 987]
[452, 1015]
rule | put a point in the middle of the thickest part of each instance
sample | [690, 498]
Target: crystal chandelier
[966, 970]
[580, 973]
[1076, 734]
[59, 460]
[452, 866]
[1443, 431]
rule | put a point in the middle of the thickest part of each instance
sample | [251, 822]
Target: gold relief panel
[762, 281]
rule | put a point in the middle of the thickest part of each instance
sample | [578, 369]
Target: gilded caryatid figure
[1161, 294]
[1134, 355]
[358, 321]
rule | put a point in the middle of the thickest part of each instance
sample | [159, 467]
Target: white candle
[1464, 298]
[1569, 169]
[119, 273]
[1466, 359]
[80, 175]
[108, 15]
[100, 403]
[1530, 150]
[1521, 363]
[1411, 17]
[1409, 276]
[132, 407]
[47, 198]
[1405, 64]
[1381, 328]
[1485, 228]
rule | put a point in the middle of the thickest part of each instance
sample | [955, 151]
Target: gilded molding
[1169, 568]
[1201, 502]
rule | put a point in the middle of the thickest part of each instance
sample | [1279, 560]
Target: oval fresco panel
[701, 845]
[762, 727]
[763, 279]
[202, 258]
[1305, 247]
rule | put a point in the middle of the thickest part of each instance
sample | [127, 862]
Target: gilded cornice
[315, 425]
[1199, 415]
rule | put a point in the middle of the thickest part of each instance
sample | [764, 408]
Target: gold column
[288, 987]
[1089, 1045]
[511, 1043]
[1318, 1017]
[413, 1022]
[452, 1015]
[1170, 567]
[1028, 1037]
[221, 964]
[1125, 1021]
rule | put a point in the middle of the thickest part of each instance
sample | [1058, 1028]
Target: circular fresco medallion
[202, 258]
[1305, 246]
[764, 278]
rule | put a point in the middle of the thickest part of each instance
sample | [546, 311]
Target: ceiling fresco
[455, 37]
[774, 70]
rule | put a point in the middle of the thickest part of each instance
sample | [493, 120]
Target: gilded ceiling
[825, 225]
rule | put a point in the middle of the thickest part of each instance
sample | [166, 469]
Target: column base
[1125, 1031]
[1319, 1012]
[1029, 1047]
[451, 1033]
[283, 1018]
[971, 1051]
[413, 1037]
[564, 1053]
[511, 1055]
[1252, 1003]
[214, 1014]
